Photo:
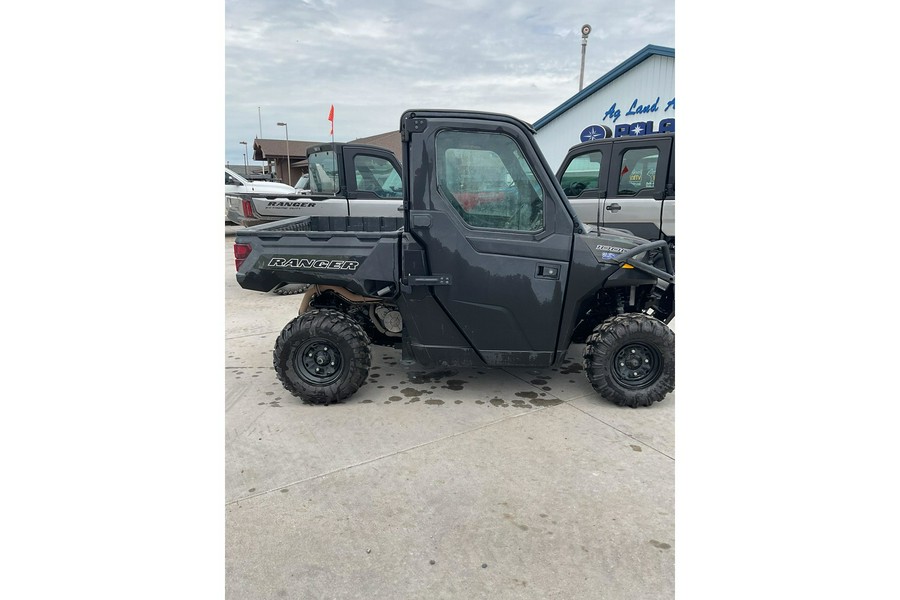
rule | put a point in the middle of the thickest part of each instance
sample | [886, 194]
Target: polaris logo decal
[313, 263]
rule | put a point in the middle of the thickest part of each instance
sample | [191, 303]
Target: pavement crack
[246, 335]
[383, 456]
[614, 428]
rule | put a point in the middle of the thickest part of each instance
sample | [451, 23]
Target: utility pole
[585, 32]
[287, 148]
[246, 166]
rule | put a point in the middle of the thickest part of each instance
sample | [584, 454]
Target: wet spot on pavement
[430, 377]
[546, 402]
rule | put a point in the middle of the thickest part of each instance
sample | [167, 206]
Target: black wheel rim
[637, 365]
[318, 362]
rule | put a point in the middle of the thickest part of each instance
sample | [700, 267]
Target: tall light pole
[288, 150]
[585, 32]
[246, 166]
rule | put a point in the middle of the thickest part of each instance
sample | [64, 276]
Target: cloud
[290, 61]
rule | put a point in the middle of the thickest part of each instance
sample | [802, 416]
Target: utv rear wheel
[322, 356]
[630, 360]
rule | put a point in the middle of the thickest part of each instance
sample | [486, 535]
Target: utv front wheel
[322, 356]
[630, 360]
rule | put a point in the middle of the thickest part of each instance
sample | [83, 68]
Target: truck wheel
[630, 360]
[322, 356]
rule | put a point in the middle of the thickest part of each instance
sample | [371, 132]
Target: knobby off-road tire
[289, 289]
[322, 356]
[630, 360]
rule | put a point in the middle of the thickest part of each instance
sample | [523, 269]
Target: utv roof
[466, 114]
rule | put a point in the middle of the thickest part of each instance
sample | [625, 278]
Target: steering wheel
[575, 189]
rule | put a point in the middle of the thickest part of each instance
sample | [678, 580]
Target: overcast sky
[291, 60]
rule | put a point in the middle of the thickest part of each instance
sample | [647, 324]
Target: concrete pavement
[453, 483]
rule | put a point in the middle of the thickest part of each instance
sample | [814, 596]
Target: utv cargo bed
[359, 253]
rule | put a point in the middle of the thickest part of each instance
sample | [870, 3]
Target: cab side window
[377, 175]
[486, 178]
[638, 171]
[582, 173]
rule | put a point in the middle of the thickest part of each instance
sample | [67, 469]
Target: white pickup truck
[344, 180]
[235, 184]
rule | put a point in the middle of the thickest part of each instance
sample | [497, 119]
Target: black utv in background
[487, 265]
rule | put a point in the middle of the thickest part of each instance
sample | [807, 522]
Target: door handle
[613, 207]
[547, 272]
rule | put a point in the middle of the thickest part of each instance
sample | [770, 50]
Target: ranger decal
[611, 249]
[313, 263]
[289, 204]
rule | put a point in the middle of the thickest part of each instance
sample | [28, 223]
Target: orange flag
[331, 118]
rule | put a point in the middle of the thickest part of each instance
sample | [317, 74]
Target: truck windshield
[323, 175]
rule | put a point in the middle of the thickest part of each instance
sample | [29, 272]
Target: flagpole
[333, 149]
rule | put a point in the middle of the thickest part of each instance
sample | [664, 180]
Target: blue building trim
[623, 68]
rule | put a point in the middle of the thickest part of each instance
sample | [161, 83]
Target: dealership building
[635, 98]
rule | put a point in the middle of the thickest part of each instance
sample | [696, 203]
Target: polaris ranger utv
[488, 265]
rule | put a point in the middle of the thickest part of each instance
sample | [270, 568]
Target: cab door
[635, 192]
[496, 239]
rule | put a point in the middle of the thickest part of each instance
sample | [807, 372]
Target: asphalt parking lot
[452, 483]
